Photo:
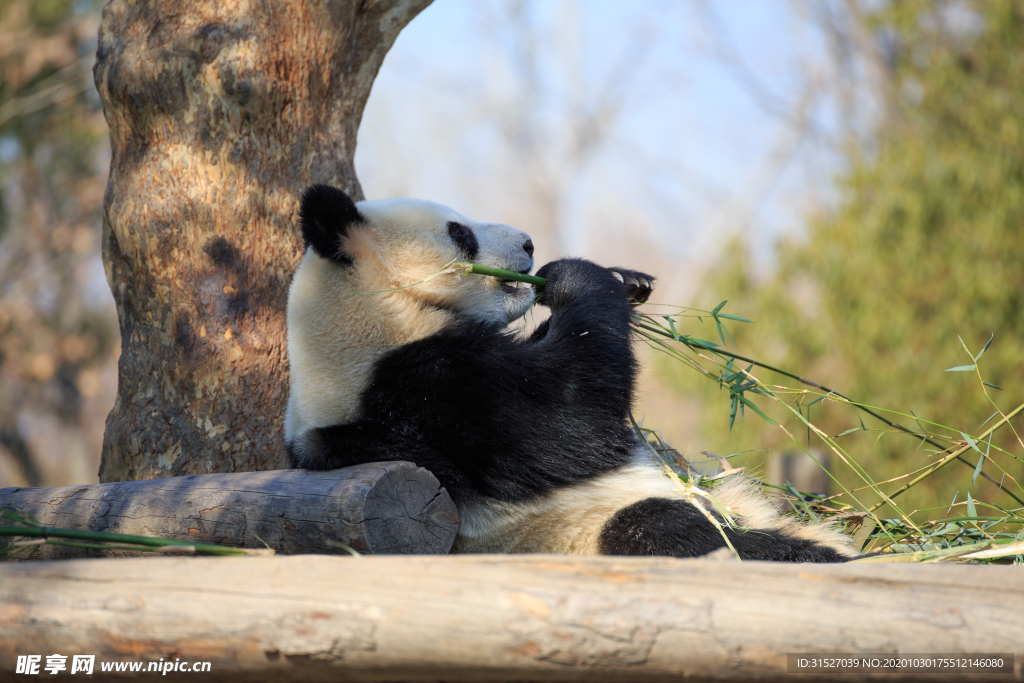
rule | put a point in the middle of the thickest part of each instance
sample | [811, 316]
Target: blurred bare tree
[835, 105]
[534, 117]
[922, 250]
[552, 122]
[58, 330]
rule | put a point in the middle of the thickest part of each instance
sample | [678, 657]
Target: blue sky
[699, 150]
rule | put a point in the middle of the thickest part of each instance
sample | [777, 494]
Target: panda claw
[638, 285]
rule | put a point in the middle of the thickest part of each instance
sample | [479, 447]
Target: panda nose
[528, 248]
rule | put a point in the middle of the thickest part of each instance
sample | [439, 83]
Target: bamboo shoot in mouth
[501, 274]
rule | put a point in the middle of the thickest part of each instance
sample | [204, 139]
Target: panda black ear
[326, 215]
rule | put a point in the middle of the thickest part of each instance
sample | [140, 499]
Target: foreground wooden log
[393, 507]
[502, 618]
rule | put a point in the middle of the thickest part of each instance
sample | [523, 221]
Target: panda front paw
[571, 278]
[638, 285]
[568, 279]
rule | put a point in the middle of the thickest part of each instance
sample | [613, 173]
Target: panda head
[387, 245]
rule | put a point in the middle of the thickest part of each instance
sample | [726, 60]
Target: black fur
[663, 526]
[326, 214]
[492, 414]
[497, 415]
[464, 238]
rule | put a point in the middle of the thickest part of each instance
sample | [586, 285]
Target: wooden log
[504, 618]
[392, 507]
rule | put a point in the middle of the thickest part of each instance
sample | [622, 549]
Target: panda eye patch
[464, 239]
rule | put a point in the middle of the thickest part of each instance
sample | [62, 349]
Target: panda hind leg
[675, 528]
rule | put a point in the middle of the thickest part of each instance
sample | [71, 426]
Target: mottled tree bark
[220, 114]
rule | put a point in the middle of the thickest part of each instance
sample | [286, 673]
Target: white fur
[565, 521]
[570, 520]
[337, 328]
[758, 511]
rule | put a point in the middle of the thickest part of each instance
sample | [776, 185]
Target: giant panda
[528, 433]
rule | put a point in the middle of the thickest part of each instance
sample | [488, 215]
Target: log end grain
[408, 512]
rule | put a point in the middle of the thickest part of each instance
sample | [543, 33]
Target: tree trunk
[507, 618]
[376, 508]
[218, 119]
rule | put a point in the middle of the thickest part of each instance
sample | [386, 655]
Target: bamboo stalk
[505, 274]
[958, 452]
[46, 532]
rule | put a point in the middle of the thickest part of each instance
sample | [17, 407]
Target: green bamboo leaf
[728, 334]
[977, 468]
[962, 368]
[989, 418]
[848, 431]
[918, 421]
[972, 442]
[802, 502]
[949, 528]
[981, 460]
[756, 409]
[737, 318]
[965, 346]
[700, 343]
[717, 308]
[987, 344]
[988, 450]
[672, 326]
[971, 512]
